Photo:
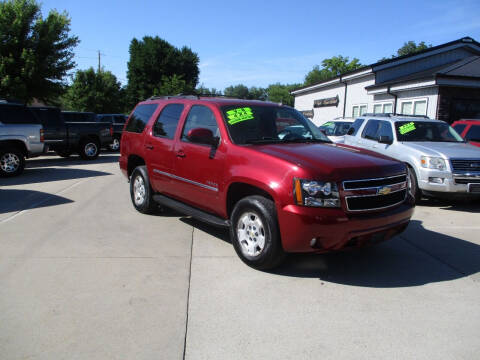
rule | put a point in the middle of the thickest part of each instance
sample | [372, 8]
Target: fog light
[436, 180]
[313, 242]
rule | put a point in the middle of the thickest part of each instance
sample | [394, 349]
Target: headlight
[433, 163]
[316, 193]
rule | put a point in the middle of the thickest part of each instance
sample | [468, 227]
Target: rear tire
[255, 234]
[115, 145]
[141, 192]
[413, 185]
[89, 149]
[12, 162]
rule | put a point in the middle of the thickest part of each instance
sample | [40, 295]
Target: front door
[198, 167]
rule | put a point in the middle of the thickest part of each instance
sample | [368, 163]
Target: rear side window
[167, 122]
[17, 115]
[200, 117]
[357, 124]
[385, 129]
[459, 128]
[140, 117]
[473, 133]
[370, 131]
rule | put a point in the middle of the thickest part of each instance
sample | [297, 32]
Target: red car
[469, 130]
[222, 161]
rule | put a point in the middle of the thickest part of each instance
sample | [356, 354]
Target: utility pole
[99, 61]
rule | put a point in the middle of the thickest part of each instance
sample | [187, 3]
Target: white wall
[430, 94]
[357, 95]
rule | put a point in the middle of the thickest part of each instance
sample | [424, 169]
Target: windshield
[337, 128]
[252, 124]
[426, 131]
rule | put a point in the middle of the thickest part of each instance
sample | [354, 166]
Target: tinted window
[473, 133]
[17, 115]
[415, 130]
[167, 122]
[370, 131]
[47, 116]
[200, 117]
[385, 129]
[459, 128]
[357, 124]
[119, 119]
[140, 117]
[104, 118]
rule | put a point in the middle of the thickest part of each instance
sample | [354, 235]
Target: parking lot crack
[188, 295]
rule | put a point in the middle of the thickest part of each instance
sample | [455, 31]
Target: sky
[257, 43]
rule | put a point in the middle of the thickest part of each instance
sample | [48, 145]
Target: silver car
[439, 160]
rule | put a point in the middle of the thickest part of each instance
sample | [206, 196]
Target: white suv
[439, 160]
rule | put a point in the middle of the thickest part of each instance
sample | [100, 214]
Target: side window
[167, 122]
[473, 133]
[140, 117]
[200, 117]
[385, 129]
[459, 128]
[370, 131]
[357, 124]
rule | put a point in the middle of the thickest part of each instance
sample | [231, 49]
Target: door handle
[181, 154]
[149, 147]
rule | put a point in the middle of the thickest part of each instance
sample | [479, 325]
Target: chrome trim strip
[185, 180]
[376, 187]
[372, 179]
[358, 196]
[380, 208]
[466, 176]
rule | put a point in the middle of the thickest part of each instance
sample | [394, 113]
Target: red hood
[334, 161]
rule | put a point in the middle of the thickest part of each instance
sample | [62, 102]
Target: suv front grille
[467, 165]
[374, 194]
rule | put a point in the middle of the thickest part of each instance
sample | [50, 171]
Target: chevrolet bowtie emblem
[384, 190]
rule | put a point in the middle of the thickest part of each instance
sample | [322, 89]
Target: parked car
[336, 129]
[70, 132]
[469, 130]
[20, 138]
[439, 160]
[222, 161]
[118, 122]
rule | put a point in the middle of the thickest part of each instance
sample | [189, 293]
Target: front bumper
[450, 182]
[333, 229]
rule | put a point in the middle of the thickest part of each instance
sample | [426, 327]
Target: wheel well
[8, 144]
[90, 137]
[238, 191]
[133, 162]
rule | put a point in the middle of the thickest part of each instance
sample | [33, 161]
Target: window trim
[413, 101]
[382, 103]
[359, 107]
[185, 123]
[158, 117]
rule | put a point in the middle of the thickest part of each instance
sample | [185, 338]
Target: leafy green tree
[242, 92]
[408, 48]
[202, 90]
[99, 92]
[158, 68]
[331, 67]
[35, 53]
[281, 93]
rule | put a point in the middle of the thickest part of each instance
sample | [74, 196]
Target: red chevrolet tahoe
[244, 165]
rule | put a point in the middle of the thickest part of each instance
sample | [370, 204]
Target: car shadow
[418, 256]
[72, 160]
[48, 174]
[13, 200]
[470, 205]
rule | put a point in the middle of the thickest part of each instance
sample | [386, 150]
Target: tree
[99, 92]
[158, 68]
[408, 48]
[35, 53]
[202, 90]
[281, 93]
[331, 67]
[242, 92]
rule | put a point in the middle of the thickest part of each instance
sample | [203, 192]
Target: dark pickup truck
[73, 132]
[118, 123]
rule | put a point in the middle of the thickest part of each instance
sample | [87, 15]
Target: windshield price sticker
[238, 115]
[407, 128]
[328, 123]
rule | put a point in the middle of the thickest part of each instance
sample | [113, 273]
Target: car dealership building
[442, 82]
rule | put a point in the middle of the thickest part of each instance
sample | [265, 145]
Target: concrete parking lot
[84, 276]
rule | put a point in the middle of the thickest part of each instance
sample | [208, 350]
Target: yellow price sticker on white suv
[239, 115]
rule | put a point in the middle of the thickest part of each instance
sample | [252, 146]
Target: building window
[359, 110]
[414, 107]
[383, 108]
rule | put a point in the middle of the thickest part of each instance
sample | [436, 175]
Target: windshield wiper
[306, 141]
[263, 140]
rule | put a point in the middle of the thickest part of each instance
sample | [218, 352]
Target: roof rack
[179, 96]
[395, 115]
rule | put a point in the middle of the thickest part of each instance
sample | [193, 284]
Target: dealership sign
[333, 101]
[307, 113]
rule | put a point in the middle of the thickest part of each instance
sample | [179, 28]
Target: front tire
[141, 192]
[12, 162]
[89, 149]
[255, 234]
[115, 145]
[413, 185]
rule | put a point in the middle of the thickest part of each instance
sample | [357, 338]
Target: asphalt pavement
[85, 276]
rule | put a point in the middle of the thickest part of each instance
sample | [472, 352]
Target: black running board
[191, 211]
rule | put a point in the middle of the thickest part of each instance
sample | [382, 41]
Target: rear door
[160, 145]
[198, 167]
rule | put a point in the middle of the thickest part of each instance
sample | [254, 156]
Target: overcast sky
[257, 43]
